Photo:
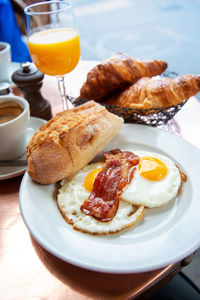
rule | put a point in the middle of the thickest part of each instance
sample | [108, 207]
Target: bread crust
[69, 141]
[115, 72]
[157, 92]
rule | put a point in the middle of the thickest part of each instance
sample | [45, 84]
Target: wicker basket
[151, 117]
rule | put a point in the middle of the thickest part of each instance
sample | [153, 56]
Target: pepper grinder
[29, 79]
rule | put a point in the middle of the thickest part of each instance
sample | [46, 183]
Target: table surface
[30, 272]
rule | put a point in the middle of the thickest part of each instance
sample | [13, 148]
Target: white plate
[13, 171]
[166, 235]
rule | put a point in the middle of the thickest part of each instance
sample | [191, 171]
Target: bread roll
[157, 92]
[69, 141]
[115, 72]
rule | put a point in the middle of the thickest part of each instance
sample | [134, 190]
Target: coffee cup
[14, 117]
[5, 58]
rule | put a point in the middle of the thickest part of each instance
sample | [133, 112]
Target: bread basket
[151, 117]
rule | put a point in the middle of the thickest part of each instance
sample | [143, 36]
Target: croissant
[157, 92]
[114, 72]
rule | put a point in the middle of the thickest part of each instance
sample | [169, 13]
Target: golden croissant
[116, 71]
[157, 92]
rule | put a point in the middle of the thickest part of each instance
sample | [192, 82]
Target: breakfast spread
[111, 194]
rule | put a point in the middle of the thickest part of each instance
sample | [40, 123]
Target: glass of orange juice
[53, 39]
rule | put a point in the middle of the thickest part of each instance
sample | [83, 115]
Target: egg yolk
[152, 168]
[90, 178]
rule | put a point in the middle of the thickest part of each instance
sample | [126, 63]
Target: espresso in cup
[14, 116]
[9, 111]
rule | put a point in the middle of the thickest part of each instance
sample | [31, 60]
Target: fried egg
[156, 181]
[76, 189]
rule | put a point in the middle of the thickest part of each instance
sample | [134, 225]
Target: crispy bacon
[118, 170]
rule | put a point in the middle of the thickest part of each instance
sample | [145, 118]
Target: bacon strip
[118, 170]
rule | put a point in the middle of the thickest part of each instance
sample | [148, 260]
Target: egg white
[140, 192]
[149, 193]
[72, 195]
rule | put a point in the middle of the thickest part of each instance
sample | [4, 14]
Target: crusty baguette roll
[116, 71]
[157, 92]
[69, 141]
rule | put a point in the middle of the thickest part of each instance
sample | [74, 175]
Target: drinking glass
[53, 40]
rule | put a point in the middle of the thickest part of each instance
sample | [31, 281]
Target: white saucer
[7, 172]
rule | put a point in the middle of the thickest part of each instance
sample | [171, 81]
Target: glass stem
[61, 86]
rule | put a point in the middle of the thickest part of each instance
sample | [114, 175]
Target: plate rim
[101, 268]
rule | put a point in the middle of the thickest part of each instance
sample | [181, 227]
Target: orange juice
[55, 51]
